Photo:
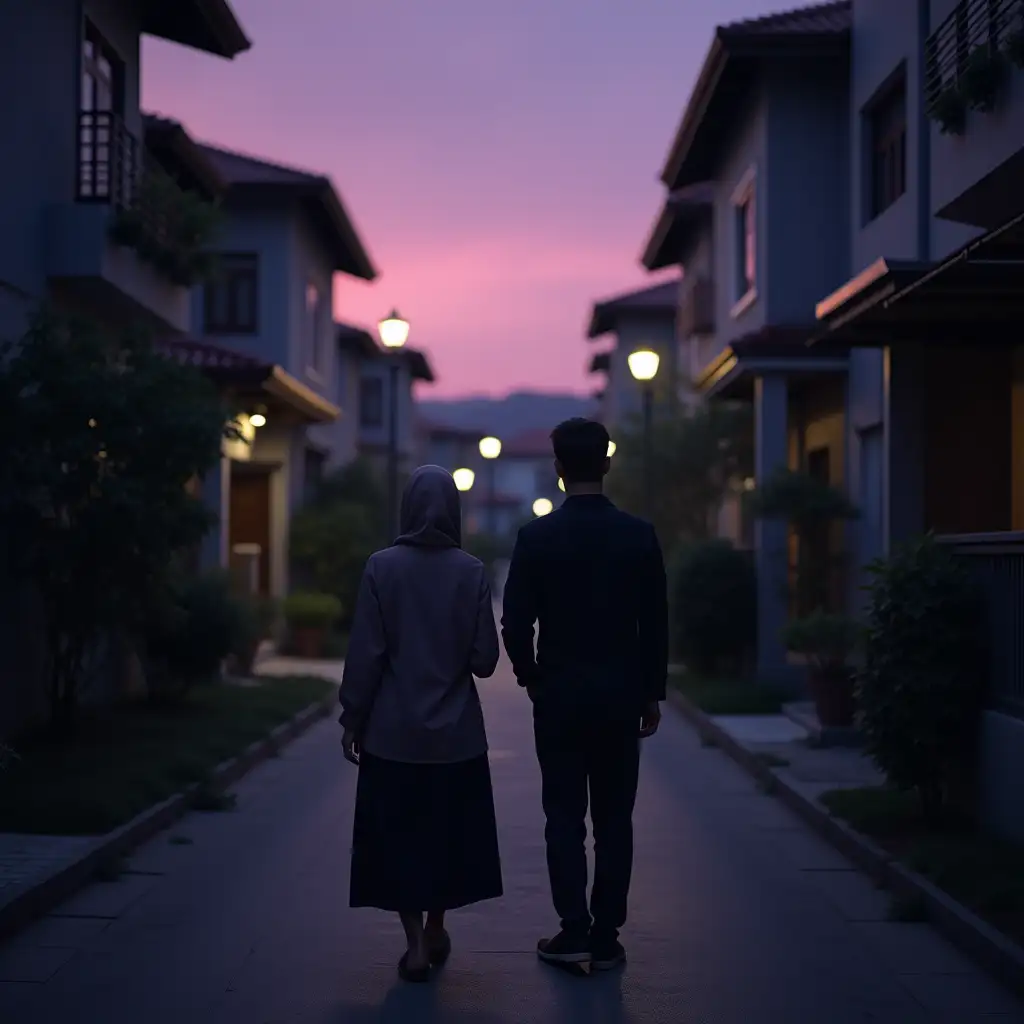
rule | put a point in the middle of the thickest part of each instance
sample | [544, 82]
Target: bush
[919, 689]
[255, 622]
[827, 640]
[310, 610]
[714, 602]
[201, 624]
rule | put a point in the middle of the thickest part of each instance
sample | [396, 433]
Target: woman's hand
[350, 746]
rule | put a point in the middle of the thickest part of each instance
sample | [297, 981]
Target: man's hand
[350, 746]
[650, 720]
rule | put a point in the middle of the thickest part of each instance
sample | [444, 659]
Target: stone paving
[739, 916]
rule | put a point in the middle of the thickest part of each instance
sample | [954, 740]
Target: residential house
[524, 472]
[83, 155]
[933, 315]
[285, 234]
[764, 141]
[80, 161]
[639, 319]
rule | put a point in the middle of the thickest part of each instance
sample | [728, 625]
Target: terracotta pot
[832, 691]
[309, 641]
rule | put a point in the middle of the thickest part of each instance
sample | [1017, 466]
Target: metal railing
[109, 159]
[973, 23]
[996, 564]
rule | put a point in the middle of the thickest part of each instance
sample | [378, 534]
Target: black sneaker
[564, 948]
[606, 955]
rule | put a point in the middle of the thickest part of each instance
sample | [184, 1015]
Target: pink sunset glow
[499, 160]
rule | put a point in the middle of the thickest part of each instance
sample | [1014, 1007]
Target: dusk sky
[499, 159]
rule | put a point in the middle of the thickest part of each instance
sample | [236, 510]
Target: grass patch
[727, 696]
[126, 760]
[978, 870]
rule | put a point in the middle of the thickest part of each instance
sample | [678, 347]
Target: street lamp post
[490, 449]
[643, 365]
[394, 333]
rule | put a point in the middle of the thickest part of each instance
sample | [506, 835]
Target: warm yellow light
[611, 448]
[393, 330]
[561, 484]
[542, 506]
[643, 364]
[257, 419]
[464, 478]
[490, 447]
[749, 484]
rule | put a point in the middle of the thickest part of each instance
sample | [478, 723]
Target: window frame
[885, 137]
[744, 244]
[91, 68]
[314, 333]
[377, 383]
[228, 278]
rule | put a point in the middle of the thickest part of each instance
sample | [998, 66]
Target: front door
[249, 519]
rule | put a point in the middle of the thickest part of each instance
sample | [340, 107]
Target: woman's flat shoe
[414, 974]
[441, 950]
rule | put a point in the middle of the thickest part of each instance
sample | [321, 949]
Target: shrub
[311, 610]
[194, 632]
[919, 688]
[714, 601]
[828, 641]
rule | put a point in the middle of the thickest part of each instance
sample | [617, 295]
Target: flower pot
[309, 641]
[832, 692]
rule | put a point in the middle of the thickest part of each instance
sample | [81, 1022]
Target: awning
[974, 296]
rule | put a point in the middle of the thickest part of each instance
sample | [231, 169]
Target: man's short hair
[581, 447]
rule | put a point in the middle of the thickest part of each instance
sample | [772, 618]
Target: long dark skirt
[424, 836]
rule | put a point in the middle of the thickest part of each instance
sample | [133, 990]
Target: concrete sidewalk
[739, 916]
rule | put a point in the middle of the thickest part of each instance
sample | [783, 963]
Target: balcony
[974, 92]
[128, 248]
[697, 308]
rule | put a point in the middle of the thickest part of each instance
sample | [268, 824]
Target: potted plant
[310, 615]
[256, 617]
[983, 78]
[828, 642]
[949, 110]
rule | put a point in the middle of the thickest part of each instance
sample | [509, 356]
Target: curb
[37, 898]
[991, 949]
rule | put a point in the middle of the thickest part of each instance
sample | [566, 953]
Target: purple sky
[499, 158]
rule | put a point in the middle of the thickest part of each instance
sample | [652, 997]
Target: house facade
[284, 236]
[932, 315]
[764, 141]
[86, 164]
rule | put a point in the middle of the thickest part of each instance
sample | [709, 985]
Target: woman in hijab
[424, 836]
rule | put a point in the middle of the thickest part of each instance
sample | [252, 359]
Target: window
[744, 202]
[231, 299]
[314, 331]
[371, 402]
[887, 136]
[102, 73]
[105, 169]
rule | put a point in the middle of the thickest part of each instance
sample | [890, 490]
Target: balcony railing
[697, 308]
[972, 24]
[996, 563]
[109, 159]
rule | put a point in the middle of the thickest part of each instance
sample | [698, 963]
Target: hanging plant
[949, 110]
[983, 78]
[1014, 46]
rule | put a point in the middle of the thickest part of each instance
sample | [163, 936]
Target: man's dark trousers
[585, 753]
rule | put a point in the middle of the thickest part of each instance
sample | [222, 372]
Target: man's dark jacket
[593, 580]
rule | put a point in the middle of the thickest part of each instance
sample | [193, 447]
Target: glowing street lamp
[643, 364]
[542, 506]
[464, 479]
[611, 448]
[490, 449]
[561, 485]
[394, 333]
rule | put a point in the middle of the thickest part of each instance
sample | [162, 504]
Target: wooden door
[250, 518]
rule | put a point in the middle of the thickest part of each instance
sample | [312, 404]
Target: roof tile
[816, 19]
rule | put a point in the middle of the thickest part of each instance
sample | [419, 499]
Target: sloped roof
[600, 363]
[209, 25]
[175, 150]
[249, 175]
[815, 29]
[659, 298]
[682, 211]
[357, 339]
[363, 342]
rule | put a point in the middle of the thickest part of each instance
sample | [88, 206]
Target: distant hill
[508, 416]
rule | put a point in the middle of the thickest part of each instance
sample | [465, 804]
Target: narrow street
[738, 916]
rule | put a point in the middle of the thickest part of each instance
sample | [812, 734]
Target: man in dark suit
[593, 580]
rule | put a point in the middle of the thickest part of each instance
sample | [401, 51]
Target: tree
[100, 437]
[697, 455]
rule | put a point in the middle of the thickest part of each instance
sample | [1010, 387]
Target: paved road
[739, 917]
